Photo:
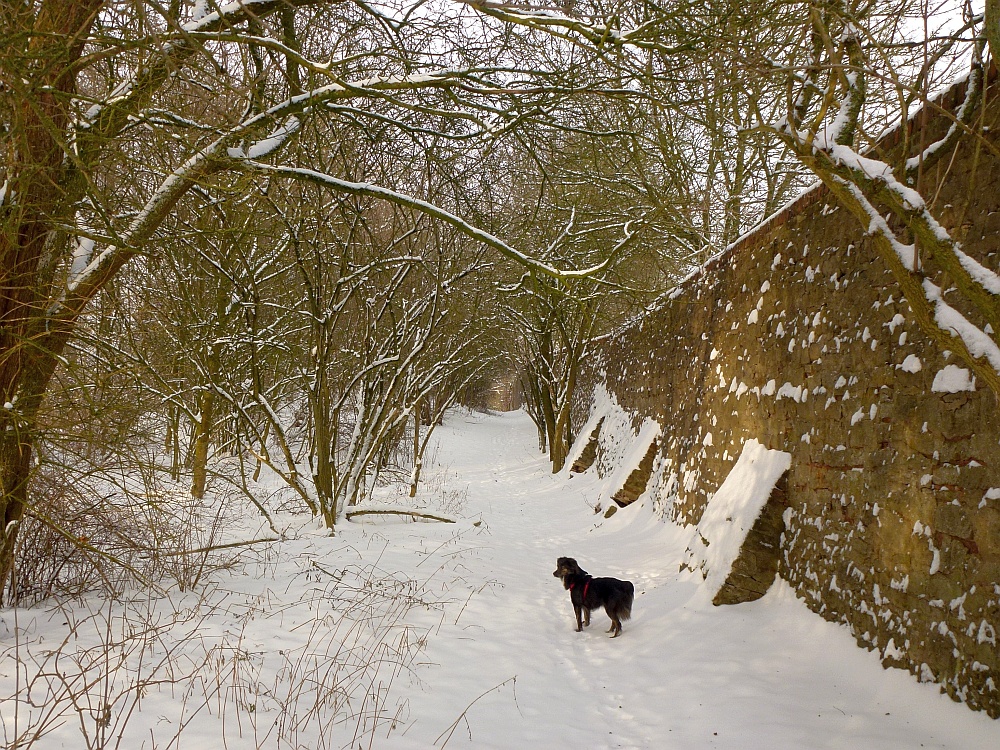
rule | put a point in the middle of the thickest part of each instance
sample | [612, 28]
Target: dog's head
[565, 566]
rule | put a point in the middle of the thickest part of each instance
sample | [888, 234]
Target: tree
[117, 113]
[823, 52]
[824, 127]
[584, 198]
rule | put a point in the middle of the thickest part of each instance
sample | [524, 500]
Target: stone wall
[798, 336]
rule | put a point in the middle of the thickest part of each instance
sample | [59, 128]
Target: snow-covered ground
[422, 635]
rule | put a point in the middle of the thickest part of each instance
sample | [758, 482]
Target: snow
[419, 635]
[81, 255]
[974, 80]
[912, 364]
[953, 379]
[733, 509]
[975, 339]
[201, 19]
[622, 447]
[636, 450]
[603, 404]
[275, 140]
[797, 393]
[980, 273]
[877, 170]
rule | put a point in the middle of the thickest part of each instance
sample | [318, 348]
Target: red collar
[586, 585]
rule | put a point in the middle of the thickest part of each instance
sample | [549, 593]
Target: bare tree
[116, 113]
[827, 54]
[586, 198]
[825, 128]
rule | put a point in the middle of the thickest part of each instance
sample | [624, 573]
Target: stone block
[953, 520]
[636, 482]
[986, 530]
[589, 453]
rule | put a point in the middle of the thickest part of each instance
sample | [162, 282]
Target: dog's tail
[622, 605]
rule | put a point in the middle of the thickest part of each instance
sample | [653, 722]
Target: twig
[216, 547]
[451, 730]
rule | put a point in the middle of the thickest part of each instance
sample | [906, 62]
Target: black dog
[587, 593]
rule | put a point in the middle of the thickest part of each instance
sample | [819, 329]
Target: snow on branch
[986, 278]
[223, 153]
[647, 35]
[859, 170]
[108, 116]
[939, 319]
[878, 196]
[376, 191]
[268, 145]
[844, 126]
[975, 339]
[201, 19]
[963, 118]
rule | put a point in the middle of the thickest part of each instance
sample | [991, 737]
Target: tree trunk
[172, 441]
[15, 470]
[202, 440]
[417, 418]
[263, 447]
[323, 438]
[992, 29]
[556, 455]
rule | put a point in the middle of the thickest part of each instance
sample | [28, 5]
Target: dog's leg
[579, 617]
[616, 623]
[586, 618]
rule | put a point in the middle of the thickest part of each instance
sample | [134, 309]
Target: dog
[587, 593]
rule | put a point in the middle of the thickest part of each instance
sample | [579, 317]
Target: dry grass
[196, 658]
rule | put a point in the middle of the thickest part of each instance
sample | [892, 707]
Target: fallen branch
[398, 512]
[216, 547]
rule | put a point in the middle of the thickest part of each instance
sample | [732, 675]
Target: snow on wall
[798, 336]
[622, 447]
[953, 379]
[602, 403]
[636, 451]
[733, 509]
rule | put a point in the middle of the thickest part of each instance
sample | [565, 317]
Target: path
[683, 675]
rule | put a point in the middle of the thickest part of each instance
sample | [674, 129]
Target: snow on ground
[423, 635]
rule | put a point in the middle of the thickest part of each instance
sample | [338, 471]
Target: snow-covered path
[684, 674]
[410, 636]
